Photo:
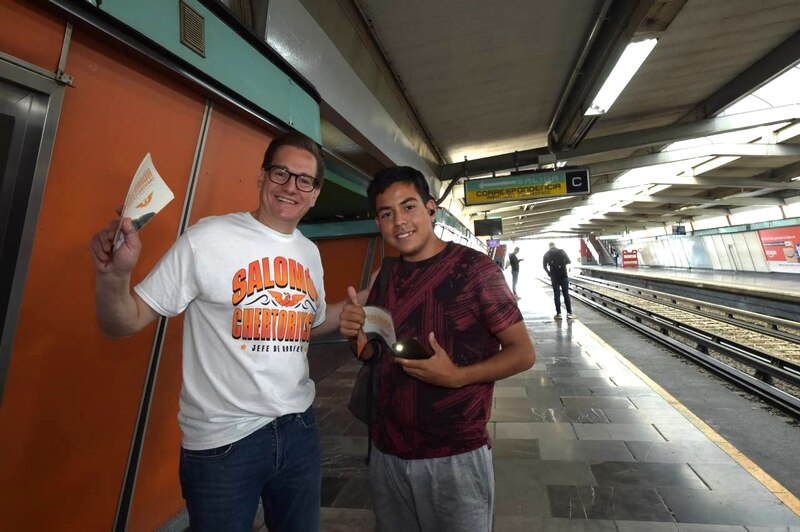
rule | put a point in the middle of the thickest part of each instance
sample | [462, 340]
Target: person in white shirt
[252, 288]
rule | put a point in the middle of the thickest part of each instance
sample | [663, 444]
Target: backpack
[364, 397]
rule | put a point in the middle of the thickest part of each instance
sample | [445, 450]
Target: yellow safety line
[777, 489]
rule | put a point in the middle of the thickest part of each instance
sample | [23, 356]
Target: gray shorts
[449, 494]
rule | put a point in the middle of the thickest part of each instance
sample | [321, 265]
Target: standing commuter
[513, 261]
[555, 264]
[431, 467]
[252, 288]
[499, 261]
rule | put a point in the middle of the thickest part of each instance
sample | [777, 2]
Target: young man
[252, 288]
[555, 263]
[513, 261]
[431, 467]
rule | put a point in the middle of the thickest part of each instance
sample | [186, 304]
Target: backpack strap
[383, 279]
[372, 392]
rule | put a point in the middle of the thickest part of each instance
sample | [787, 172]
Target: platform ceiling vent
[193, 31]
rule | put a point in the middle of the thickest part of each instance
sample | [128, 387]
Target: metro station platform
[586, 441]
[777, 286]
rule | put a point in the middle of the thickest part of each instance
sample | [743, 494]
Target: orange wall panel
[232, 157]
[343, 261]
[227, 182]
[157, 494]
[31, 34]
[71, 397]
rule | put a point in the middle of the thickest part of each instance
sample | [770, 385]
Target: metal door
[29, 107]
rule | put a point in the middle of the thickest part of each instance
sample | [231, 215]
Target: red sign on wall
[586, 255]
[630, 259]
[781, 248]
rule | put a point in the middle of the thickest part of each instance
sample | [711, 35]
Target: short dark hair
[398, 174]
[297, 140]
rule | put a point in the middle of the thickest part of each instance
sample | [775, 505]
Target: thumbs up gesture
[351, 320]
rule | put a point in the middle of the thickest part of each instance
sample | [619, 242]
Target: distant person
[514, 261]
[555, 264]
[615, 256]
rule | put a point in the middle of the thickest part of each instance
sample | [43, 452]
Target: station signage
[523, 187]
[630, 259]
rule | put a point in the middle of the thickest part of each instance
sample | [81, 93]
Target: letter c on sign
[577, 182]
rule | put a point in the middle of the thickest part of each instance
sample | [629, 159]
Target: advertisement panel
[781, 248]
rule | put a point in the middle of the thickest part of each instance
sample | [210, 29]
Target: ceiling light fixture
[630, 61]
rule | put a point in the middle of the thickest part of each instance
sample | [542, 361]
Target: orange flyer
[147, 195]
[379, 324]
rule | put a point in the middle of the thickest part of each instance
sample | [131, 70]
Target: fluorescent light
[632, 58]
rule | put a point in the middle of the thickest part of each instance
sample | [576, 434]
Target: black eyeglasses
[280, 176]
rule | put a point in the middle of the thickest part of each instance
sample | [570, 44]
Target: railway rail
[757, 352]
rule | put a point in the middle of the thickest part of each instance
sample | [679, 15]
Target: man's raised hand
[122, 261]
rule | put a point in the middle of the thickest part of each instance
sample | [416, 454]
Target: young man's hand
[351, 321]
[438, 370]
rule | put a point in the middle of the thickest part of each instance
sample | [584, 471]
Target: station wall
[750, 251]
[71, 398]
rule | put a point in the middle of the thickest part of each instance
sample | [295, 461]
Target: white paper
[147, 195]
[379, 323]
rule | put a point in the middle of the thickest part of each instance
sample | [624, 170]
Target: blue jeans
[560, 285]
[279, 463]
[514, 279]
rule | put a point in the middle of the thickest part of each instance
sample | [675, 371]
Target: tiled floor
[580, 443]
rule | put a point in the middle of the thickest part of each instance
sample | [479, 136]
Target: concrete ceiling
[506, 84]
[484, 76]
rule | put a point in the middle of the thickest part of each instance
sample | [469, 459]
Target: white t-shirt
[251, 296]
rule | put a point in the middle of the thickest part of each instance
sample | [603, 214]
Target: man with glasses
[252, 288]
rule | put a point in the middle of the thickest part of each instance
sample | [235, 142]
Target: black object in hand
[411, 349]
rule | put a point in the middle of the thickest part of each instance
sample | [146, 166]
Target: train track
[759, 353]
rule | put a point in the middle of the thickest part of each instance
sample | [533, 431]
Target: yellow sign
[526, 186]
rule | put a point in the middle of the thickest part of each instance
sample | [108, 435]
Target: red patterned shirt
[462, 297]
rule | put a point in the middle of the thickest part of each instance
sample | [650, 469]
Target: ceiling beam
[694, 200]
[544, 234]
[538, 220]
[515, 206]
[487, 165]
[677, 132]
[700, 182]
[544, 210]
[630, 140]
[630, 216]
[685, 212]
[709, 150]
[784, 172]
[529, 224]
[539, 231]
[772, 65]
[595, 226]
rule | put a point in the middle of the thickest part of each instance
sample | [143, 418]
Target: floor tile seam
[775, 487]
